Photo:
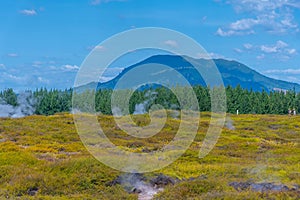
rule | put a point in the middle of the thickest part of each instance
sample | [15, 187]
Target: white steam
[117, 112]
[141, 108]
[25, 107]
[229, 123]
[147, 191]
[135, 183]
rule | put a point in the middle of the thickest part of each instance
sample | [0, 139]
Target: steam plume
[229, 124]
[25, 107]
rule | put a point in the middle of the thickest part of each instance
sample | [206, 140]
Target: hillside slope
[232, 72]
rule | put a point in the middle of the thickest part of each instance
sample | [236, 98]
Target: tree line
[48, 102]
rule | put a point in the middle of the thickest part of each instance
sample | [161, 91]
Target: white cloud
[13, 77]
[263, 5]
[261, 56]
[220, 32]
[279, 47]
[12, 55]
[274, 16]
[244, 24]
[28, 12]
[238, 50]
[171, 43]
[37, 63]
[2, 66]
[43, 80]
[291, 51]
[281, 44]
[97, 2]
[269, 49]
[223, 33]
[280, 50]
[283, 71]
[289, 23]
[248, 46]
[70, 67]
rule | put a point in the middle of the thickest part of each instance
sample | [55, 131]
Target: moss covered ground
[43, 158]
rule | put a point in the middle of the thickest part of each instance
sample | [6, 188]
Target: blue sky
[43, 43]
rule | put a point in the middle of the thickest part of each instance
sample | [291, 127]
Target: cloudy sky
[43, 43]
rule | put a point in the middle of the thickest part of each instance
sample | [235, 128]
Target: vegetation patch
[43, 158]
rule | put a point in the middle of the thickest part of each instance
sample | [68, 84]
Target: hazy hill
[232, 72]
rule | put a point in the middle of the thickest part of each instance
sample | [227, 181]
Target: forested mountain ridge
[233, 73]
[246, 91]
[49, 102]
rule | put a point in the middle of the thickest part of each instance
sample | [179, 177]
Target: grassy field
[43, 158]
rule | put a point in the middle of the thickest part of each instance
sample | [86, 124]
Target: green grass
[45, 153]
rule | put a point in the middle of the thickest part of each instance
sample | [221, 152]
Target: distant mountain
[232, 72]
